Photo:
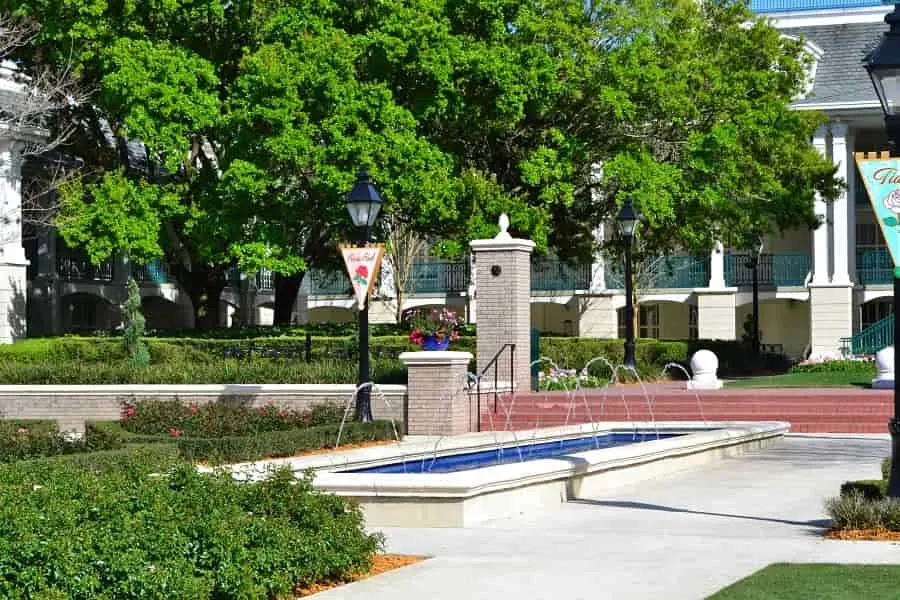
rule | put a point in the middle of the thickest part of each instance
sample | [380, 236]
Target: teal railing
[328, 283]
[783, 269]
[438, 277]
[874, 265]
[265, 280]
[675, 271]
[871, 339]
[559, 276]
[75, 266]
[156, 271]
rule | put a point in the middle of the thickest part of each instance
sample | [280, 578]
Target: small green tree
[135, 327]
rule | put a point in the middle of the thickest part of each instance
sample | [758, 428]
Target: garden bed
[381, 563]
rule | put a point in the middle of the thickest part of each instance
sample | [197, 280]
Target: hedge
[653, 355]
[283, 443]
[870, 489]
[222, 372]
[861, 367]
[22, 440]
[132, 532]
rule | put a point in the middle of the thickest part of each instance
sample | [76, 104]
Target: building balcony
[559, 276]
[671, 272]
[324, 282]
[874, 266]
[73, 266]
[155, 272]
[780, 269]
[438, 277]
[769, 6]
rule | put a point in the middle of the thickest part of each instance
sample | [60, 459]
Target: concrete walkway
[682, 536]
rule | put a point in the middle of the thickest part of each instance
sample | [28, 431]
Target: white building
[816, 288]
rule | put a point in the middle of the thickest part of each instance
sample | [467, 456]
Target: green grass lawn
[819, 582]
[805, 380]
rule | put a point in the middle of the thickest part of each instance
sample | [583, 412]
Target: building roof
[769, 6]
[840, 75]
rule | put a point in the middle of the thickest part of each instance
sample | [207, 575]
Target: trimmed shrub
[126, 534]
[870, 489]
[274, 444]
[886, 469]
[855, 511]
[190, 372]
[22, 440]
[217, 419]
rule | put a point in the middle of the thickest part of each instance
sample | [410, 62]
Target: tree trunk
[204, 287]
[286, 289]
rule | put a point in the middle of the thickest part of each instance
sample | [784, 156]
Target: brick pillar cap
[437, 357]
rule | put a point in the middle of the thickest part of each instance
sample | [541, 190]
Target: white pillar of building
[840, 232]
[717, 267]
[13, 264]
[851, 207]
[598, 268]
[820, 234]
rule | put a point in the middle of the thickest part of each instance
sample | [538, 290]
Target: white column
[717, 267]
[840, 233]
[820, 235]
[851, 208]
[598, 268]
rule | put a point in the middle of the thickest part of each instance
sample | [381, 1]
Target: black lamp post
[753, 263]
[627, 221]
[364, 204]
[883, 65]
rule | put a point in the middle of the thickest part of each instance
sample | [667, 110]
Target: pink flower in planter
[175, 433]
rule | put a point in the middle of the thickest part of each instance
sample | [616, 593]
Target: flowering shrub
[438, 323]
[567, 379]
[835, 363]
[218, 419]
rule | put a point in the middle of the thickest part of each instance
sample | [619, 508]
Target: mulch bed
[380, 564]
[879, 535]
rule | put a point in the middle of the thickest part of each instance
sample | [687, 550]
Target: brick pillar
[503, 275]
[437, 401]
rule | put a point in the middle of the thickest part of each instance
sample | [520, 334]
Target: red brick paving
[808, 410]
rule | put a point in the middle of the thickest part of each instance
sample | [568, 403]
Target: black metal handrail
[494, 362]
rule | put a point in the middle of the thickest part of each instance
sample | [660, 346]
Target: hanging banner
[881, 176]
[363, 265]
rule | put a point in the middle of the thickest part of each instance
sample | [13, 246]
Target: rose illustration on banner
[892, 201]
[362, 276]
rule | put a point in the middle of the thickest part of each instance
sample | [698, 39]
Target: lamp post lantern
[753, 263]
[627, 221]
[364, 203]
[883, 65]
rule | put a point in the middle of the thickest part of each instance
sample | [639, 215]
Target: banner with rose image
[363, 265]
[881, 176]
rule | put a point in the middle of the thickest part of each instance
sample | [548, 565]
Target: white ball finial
[884, 368]
[503, 222]
[705, 366]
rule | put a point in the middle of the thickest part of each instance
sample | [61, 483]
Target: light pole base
[894, 480]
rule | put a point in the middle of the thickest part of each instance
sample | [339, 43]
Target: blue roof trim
[768, 6]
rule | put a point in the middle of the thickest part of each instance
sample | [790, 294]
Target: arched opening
[86, 312]
[875, 310]
[162, 314]
[783, 325]
[553, 318]
[331, 314]
[663, 321]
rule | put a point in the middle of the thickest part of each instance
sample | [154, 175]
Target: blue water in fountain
[514, 454]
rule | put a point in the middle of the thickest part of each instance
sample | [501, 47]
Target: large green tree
[255, 116]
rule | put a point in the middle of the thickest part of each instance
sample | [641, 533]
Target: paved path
[682, 536]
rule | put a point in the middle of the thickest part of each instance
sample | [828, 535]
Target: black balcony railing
[75, 267]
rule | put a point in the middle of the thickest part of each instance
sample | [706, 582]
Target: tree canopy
[226, 133]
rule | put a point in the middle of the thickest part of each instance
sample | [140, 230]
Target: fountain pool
[513, 454]
[467, 497]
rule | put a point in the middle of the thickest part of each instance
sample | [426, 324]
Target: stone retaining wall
[74, 405]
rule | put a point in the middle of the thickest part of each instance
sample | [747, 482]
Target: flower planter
[432, 343]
